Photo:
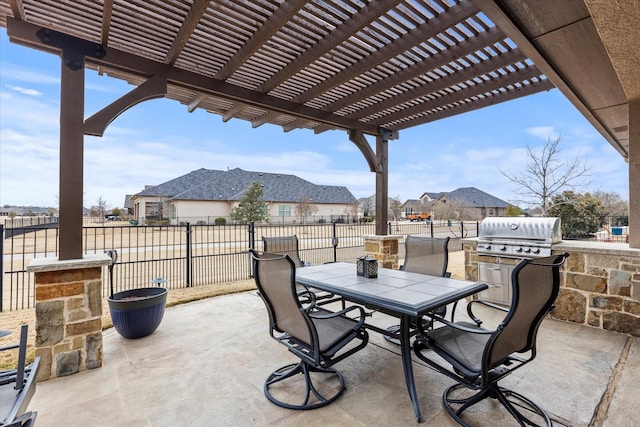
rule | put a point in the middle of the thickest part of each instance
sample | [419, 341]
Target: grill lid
[542, 230]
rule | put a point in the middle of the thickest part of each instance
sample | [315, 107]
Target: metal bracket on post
[73, 49]
[389, 135]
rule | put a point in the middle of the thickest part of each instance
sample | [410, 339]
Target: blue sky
[159, 140]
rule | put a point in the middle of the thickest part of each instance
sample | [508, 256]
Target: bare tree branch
[546, 176]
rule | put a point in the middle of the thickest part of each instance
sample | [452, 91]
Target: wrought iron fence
[190, 255]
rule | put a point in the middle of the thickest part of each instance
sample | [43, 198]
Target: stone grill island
[600, 283]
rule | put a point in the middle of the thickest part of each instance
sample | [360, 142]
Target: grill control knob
[503, 248]
[527, 250]
[536, 251]
[519, 250]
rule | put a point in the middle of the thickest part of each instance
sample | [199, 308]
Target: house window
[491, 213]
[284, 210]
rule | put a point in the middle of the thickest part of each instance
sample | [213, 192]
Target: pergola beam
[486, 101]
[198, 8]
[474, 71]
[488, 38]
[364, 17]
[422, 32]
[25, 33]
[472, 90]
[283, 14]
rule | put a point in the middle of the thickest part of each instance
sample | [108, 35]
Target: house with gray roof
[466, 203]
[203, 195]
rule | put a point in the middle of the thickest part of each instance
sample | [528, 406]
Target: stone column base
[384, 249]
[68, 314]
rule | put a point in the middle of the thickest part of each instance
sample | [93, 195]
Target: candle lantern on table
[367, 267]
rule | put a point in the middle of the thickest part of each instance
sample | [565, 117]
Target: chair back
[275, 276]
[535, 284]
[426, 255]
[285, 245]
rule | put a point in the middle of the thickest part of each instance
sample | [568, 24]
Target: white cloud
[25, 91]
[10, 71]
[544, 132]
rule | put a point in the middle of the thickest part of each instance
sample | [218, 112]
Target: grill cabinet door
[498, 277]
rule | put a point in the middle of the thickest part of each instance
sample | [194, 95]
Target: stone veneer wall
[600, 284]
[68, 315]
[384, 249]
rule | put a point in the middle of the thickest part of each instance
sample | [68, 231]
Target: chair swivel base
[313, 398]
[393, 339]
[520, 407]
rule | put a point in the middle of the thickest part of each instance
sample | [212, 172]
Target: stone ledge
[381, 238]
[54, 264]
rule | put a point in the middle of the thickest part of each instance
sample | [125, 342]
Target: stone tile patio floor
[206, 364]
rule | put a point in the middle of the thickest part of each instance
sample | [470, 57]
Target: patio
[207, 362]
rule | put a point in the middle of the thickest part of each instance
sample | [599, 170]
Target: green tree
[581, 214]
[251, 206]
[513, 211]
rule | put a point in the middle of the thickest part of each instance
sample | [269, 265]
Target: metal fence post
[334, 241]
[1, 263]
[252, 235]
[431, 228]
[189, 258]
[252, 244]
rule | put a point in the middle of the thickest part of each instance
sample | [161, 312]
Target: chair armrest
[459, 326]
[330, 314]
[308, 299]
[486, 304]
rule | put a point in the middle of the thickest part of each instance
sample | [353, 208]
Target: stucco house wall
[203, 195]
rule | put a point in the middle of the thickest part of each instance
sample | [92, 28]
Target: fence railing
[190, 255]
[196, 255]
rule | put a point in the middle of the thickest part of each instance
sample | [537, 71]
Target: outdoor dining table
[396, 293]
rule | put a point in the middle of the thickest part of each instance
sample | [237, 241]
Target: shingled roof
[466, 196]
[207, 184]
[472, 197]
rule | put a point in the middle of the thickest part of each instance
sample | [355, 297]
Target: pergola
[371, 68]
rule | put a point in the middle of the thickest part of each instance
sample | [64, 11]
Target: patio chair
[288, 245]
[314, 335]
[478, 358]
[17, 387]
[285, 245]
[424, 255]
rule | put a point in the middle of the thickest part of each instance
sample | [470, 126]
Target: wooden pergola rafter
[369, 68]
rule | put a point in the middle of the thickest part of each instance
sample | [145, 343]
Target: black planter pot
[136, 313]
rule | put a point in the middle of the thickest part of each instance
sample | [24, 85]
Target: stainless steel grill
[503, 242]
[518, 237]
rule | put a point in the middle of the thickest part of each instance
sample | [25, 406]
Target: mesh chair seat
[479, 358]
